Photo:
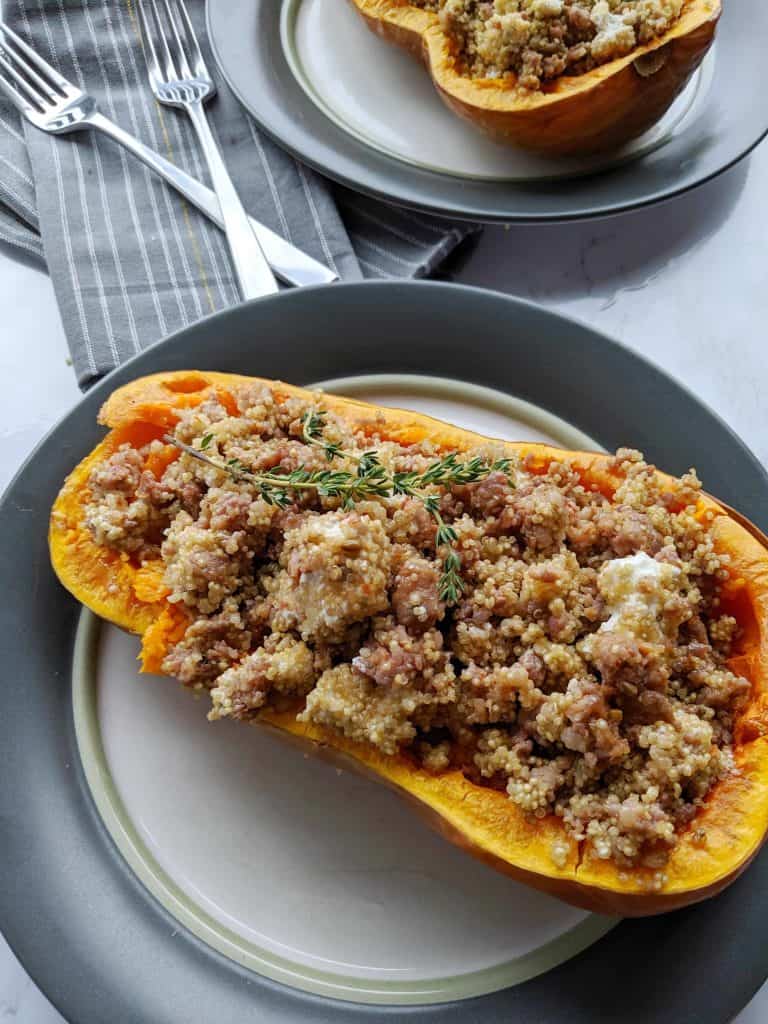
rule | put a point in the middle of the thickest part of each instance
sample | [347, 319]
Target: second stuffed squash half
[573, 114]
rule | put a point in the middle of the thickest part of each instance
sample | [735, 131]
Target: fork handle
[290, 264]
[251, 267]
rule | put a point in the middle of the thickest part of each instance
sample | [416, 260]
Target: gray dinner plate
[96, 941]
[726, 125]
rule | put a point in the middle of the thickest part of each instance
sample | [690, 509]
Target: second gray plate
[340, 122]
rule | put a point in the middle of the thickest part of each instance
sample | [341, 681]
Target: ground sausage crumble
[539, 40]
[583, 670]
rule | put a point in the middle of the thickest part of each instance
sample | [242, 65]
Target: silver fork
[53, 104]
[179, 78]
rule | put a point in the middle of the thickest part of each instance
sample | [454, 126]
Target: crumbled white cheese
[340, 532]
[614, 36]
[635, 590]
[330, 530]
[547, 8]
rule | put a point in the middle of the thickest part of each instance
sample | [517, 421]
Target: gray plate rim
[245, 39]
[69, 905]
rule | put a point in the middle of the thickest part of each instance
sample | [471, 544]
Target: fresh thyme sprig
[369, 480]
[276, 488]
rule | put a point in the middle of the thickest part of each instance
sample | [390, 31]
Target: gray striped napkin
[129, 259]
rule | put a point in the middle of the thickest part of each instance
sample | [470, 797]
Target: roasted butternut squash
[482, 820]
[573, 115]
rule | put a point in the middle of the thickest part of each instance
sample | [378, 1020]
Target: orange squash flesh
[573, 115]
[734, 819]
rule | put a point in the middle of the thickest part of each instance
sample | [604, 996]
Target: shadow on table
[28, 259]
[557, 262]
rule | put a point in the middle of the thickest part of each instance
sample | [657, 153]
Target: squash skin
[572, 115]
[479, 819]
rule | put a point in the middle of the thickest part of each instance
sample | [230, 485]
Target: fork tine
[45, 91]
[186, 71]
[193, 47]
[13, 93]
[38, 101]
[148, 38]
[33, 58]
[169, 71]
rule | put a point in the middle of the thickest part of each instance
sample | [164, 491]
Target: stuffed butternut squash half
[558, 77]
[560, 657]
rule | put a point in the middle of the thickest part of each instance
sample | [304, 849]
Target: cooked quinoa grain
[539, 40]
[583, 670]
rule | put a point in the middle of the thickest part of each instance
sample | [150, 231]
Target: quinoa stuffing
[559, 646]
[539, 40]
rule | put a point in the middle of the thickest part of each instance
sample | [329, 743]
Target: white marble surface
[686, 284]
